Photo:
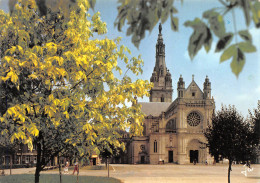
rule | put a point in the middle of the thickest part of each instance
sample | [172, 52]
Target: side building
[173, 131]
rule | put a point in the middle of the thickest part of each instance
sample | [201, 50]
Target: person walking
[66, 168]
[195, 161]
[76, 168]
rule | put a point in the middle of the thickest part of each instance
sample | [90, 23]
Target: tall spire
[161, 77]
[160, 66]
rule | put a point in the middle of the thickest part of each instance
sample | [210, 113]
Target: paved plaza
[169, 173]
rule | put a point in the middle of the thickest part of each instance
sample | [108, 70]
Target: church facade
[173, 130]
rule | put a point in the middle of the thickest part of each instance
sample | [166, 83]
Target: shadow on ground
[51, 178]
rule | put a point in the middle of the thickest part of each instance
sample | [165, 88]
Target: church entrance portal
[142, 160]
[170, 156]
[194, 155]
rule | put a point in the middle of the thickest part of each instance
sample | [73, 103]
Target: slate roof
[154, 108]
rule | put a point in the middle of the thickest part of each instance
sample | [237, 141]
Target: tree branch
[82, 79]
[222, 2]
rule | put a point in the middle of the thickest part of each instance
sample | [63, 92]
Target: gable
[193, 91]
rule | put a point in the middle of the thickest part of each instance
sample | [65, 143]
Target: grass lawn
[52, 178]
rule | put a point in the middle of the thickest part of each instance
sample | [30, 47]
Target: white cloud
[257, 90]
[256, 38]
[243, 97]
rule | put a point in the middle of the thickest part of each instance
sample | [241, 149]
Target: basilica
[173, 130]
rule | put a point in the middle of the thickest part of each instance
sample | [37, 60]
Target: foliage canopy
[231, 137]
[59, 84]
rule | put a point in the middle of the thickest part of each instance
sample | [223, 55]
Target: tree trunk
[59, 168]
[11, 164]
[229, 169]
[107, 167]
[39, 160]
[78, 174]
[37, 174]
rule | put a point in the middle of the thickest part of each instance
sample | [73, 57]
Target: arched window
[171, 126]
[162, 98]
[155, 146]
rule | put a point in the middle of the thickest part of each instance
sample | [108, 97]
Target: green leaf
[92, 4]
[216, 22]
[209, 13]
[247, 47]
[238, 62]
[198, 37]
[228, 53]
[255, 9]
[174, 10]
[208, 40]
[129, 31]
[223, 42]
[246, 9]
[136, 40]
[195, 23]
[165, 15]
[174, 23]
[244, 34]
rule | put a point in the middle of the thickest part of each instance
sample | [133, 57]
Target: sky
[242, 92]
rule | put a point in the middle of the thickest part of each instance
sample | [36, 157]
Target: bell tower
[161, 77]
[207, 89]
[181, 87]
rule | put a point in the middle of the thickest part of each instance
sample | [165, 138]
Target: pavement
[168, 173]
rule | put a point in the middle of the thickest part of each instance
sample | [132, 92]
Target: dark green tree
[255, 122]
[231, 137]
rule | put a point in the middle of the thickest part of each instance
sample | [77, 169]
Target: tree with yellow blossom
[61, 87]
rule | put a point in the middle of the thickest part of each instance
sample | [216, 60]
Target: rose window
[193, 119]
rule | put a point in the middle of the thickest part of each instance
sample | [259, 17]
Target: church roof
[154, 108]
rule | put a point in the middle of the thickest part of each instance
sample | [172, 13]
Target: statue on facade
[160, 28]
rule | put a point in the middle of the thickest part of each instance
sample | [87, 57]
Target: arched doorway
[194, 156]
[170, 156]
[193, 151]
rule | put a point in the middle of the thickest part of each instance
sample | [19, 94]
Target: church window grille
[155, 146]
[171, 126]
[193, 119]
